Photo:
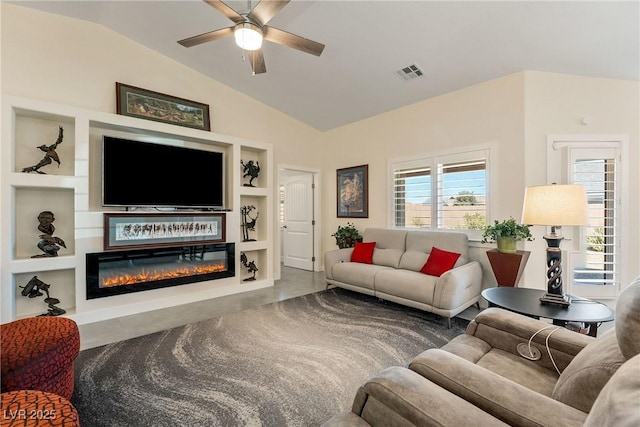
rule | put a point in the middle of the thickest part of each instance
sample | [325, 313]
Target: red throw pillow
[439, 262]
[363, 252]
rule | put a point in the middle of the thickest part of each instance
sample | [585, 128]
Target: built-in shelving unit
[258, 196]
[72, 191]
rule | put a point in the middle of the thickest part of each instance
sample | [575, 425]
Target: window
[597, 171]
[281, 205]
[412, 197]
[442, 192]
[594, 251]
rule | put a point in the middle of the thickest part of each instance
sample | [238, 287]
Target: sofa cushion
[520, 370]
[357, 274]
[420, 243]
[363, 252]
[390, 245]
[406, 284]
[507, 400]
[439, 262]
[583, 379]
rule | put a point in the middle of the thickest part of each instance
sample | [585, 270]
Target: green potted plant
[506, 233]
[347, 236]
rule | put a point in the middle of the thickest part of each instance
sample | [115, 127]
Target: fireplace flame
[151, 276]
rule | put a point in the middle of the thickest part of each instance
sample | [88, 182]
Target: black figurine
[48, 244]
[32, 290]
[251, 170]
[249, 265]
[248, 222]
[50, 155]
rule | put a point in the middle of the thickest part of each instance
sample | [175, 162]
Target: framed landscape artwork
[146, 104]
[353, 192]
[135, 231]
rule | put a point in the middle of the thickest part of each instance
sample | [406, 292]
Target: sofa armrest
[334, 257]
[504, 399]
[398, 396]
[504, 329]
[458, 286]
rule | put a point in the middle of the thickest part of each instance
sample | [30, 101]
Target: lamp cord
[546, 344]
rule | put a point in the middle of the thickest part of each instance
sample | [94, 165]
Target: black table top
[527, 301]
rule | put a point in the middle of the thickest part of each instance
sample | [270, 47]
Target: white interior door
[298, 221]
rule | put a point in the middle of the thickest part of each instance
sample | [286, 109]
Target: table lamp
[555, 206]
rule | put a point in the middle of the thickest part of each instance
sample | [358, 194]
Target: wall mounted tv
[144, 174]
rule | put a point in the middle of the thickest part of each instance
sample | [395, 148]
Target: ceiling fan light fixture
[248, 36]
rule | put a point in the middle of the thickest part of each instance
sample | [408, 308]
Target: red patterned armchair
[38, 353]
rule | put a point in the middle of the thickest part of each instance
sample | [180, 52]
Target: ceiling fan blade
[291, 40]
[257, 61]
[225, 10]
[266, 9]
[207, 37]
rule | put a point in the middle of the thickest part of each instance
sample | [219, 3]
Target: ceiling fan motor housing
[248, 35]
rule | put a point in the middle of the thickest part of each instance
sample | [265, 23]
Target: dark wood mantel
[508, 267]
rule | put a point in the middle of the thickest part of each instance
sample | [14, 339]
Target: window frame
[559, 169]
[433, 161]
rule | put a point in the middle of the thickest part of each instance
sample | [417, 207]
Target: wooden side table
[507, 267]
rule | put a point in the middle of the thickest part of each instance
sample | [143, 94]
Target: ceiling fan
[251, 28]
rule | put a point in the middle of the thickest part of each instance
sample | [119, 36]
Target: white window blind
[597, 170]
[444, 192]
[412, 197]
[462, 195]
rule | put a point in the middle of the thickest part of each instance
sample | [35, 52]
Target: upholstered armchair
[514, 370]
[527, 372]
[37, 353]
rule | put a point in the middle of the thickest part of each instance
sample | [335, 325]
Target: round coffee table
[526, 301]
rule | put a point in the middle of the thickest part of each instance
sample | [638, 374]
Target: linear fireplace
[121, 272]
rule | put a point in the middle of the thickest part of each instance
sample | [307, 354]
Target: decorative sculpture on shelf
[50, 155]
[251, 170]
[48, 244]
[249, 265]
[248, 222]
[32, 290]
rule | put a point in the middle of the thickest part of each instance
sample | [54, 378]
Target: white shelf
[253, 191]
[43, 264]
[42, 181]
[253, 246]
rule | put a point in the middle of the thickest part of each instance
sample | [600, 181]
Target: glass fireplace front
[120, 272]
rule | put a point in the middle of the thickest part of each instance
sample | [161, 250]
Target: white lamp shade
[248, 36]
[555, 205]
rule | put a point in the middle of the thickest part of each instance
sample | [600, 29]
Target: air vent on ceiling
[410, 72]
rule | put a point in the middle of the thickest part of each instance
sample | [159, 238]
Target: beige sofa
[481, 378]
[395, 273]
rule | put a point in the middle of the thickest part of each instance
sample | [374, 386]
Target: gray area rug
[292, 363]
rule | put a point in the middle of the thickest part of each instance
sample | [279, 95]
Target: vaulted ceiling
[456, 44]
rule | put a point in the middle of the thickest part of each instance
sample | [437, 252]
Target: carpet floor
[292, 363]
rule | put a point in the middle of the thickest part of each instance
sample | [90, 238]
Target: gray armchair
[515, 370]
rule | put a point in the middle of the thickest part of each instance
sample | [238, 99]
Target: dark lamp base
[563, 300]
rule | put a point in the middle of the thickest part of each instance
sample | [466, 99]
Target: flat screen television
[144, 174]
